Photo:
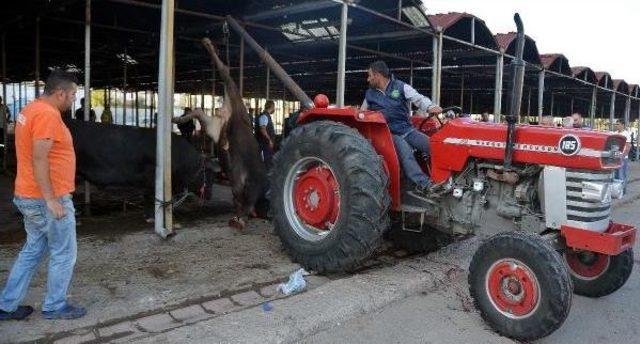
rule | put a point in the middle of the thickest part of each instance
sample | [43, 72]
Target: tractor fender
[372, 126]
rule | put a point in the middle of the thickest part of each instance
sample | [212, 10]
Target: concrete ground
[211, 284]
[421, 299]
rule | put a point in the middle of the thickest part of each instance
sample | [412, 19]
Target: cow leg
[238, 179]
[148, 207]
[237, 221]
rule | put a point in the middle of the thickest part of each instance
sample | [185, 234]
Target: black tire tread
[368, 215]
[616, 276]
[540, 256]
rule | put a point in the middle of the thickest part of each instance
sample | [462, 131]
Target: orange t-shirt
[39, 120]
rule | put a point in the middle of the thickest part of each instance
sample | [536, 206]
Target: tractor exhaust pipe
[288, 82]
[515, 100]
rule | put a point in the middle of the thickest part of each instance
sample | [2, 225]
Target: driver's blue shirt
[394, 104]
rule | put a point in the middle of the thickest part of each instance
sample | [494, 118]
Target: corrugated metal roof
[620, 86]
[507, 43]
[556, 62]
[584, 73]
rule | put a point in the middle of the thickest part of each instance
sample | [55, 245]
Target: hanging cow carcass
[230, 129]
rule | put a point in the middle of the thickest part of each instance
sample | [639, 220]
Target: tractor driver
[391, 97]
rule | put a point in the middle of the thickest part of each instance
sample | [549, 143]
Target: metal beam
[473, 30]
[592, 108]
[342, 55]
[87, 89]
[241, 73]
[638, 132]
[273, 64]
[124, 88]
[290, 10]
[268, 85]
[462, 92]
[497, 98]
[4, 103]
[436, 72]
[612, 110]
[163, 206]
[540, 95]
[37, 65]
[627, 111]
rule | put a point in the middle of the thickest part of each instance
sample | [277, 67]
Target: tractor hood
[464, 138]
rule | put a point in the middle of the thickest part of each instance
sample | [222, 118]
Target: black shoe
[422, 192]
[19, 314]
[67, 312]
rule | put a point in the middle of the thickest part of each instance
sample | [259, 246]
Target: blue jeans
[405, 144]
[623, 173]
[44, 232]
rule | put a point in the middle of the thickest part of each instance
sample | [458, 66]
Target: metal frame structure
[450, 56]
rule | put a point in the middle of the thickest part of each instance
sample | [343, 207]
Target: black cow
[112, 155]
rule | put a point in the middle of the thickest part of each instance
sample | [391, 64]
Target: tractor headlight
[600, 192]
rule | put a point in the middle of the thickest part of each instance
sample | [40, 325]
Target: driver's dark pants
[405, 144]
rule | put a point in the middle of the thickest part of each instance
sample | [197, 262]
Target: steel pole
[440, 47]
[572, 105]
[137, 110]
[293, 87]
[612, 110]
[436, 71]
[241, 77]
[163, 208]
[462, 92]
[540, 95]
[497, 96]
[124, 88]
[268, 86]
[627, 111]
[638, 134]
[4, 104]
[342, 55]
[37, 66]
[87, 90]
[411, 74]
[592, 108]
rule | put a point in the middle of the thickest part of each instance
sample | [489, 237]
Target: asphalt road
[429, 318]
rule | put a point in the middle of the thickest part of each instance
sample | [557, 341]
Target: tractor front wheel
[520, 285]
[329, 197]
[596, 275]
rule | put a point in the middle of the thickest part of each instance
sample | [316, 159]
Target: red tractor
[539, 196]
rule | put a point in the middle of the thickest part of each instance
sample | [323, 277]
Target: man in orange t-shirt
[43, 187]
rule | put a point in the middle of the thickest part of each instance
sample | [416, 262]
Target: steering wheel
[450, 112]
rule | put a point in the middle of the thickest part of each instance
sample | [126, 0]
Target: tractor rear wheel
[329, 197]
[596, 275]
[520, 285]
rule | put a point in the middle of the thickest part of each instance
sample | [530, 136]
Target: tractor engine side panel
[463, 138]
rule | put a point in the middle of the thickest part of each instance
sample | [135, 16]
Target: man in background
[80, 113]
[5, 116]
[187, 128]
[265, 133]
[578, 121]
[623, 171]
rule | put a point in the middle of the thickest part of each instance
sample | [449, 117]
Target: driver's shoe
[424, 192]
